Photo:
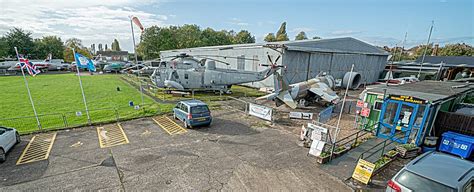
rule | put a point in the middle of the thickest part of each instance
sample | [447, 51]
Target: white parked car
[8, 138]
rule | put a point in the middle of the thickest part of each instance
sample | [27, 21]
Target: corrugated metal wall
[303, 65]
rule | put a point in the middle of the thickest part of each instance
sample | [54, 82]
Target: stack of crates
[457, 144]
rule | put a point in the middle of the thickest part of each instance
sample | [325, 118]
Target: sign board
[317, 128]
[365, 112]
[360, 103]
[363, 171]
[409, 99]
[318, 133]
[260, 111]
[301, 115]
[316, 148]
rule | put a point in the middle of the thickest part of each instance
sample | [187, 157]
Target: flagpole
[80, 84]
[136, 59]
[342, 107]
[28, 89]
[426, 48]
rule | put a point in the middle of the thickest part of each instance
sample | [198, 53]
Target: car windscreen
[2, 130]
[418, 183]
[199, 109]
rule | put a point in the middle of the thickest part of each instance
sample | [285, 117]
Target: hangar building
[303, 59]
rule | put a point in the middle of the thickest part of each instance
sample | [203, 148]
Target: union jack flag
[25, 63]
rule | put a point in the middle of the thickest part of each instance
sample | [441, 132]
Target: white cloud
[299, 29]
[345, 32]
[237, 21]
[92, 21]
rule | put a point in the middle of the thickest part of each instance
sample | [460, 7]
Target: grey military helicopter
[188, 73]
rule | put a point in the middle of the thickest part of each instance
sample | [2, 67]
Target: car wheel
[18, 139]
[186, 124]
[174, 116]
[3, 157]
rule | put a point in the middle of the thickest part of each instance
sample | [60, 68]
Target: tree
[301, 36]
[270, 38]
[78, 48]
[115, 45]
[21, 39]
[316, 37]
[189, 36]
[47, 45]
[3, 48]
[281, 33]
[155, 39]
[73, 43]
[457, 50]
[243, 37]
[420, 49]
[209, 37]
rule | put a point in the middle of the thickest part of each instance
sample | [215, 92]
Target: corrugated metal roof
[451, 60]
[432, 91]
[341, 45]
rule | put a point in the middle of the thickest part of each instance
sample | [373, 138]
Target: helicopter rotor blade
[225, 57]
[270, 59]
[213, 59]
[276, 60]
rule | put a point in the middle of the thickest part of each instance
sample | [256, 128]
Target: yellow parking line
[111, 135]
[169, 125]
[37, 149]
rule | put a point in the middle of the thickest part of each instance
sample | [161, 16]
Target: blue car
[192, 113]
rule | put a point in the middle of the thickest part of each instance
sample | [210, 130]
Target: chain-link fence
[28, 124]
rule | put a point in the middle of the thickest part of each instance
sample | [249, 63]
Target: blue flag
[84, 62]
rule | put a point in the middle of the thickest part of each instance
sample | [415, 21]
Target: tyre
[3, 156]
[174, 116]
[18, 139]
[186, 124]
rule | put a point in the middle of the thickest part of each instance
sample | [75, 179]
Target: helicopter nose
[173, 84]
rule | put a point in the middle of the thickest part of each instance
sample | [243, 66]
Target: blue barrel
[457, 144]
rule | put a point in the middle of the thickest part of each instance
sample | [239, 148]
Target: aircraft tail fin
[279, 83]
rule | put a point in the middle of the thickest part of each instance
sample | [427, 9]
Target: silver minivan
[434, 171]
[8, 138]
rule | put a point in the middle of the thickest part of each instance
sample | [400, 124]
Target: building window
[185, 76]
[378, 105]
[255, 63]
[241, 62]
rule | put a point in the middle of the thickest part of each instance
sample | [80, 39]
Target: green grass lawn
[237, 91]
[58, 97]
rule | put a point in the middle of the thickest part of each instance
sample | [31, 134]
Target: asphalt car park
[234, 153]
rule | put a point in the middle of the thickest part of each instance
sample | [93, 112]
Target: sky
[378, 22]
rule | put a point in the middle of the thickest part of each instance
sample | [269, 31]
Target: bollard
[64, 120]
[117, 115]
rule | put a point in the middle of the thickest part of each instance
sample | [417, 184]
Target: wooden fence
[447, 121]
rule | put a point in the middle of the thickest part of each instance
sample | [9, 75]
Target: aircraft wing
[270, 96]
[287, 99]
[326, 93]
